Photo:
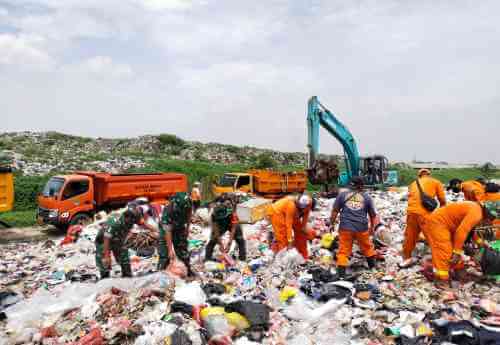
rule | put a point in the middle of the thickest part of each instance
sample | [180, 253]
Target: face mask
[456, 190]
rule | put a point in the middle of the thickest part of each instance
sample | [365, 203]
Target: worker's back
[430, 186]
[282, 206]
[452, 215]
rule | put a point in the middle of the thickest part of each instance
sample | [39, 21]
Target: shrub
[171, 140]
[265, 161]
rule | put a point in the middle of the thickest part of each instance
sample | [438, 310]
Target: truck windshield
[227, 180]
[53, 186]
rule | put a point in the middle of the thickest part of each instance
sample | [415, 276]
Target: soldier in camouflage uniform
[174, 231]
[224, 219]
[111, 238]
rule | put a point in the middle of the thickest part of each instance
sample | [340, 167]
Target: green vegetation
[265, 161]
[19, 219]
[171, 140]
[406, 176]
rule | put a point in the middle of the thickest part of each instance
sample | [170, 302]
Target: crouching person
[224, 219]
[111, 238]
[174, 232]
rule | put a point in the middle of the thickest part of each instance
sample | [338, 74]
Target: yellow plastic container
[6, 191]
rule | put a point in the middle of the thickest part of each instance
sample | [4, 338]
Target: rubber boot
[372, 263]
[126, 271]
[341, 272]
[209, 250]
[104, 275]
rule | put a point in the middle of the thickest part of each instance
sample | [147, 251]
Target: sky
[410, 79]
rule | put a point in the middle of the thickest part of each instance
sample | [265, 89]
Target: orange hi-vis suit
[446, 230]
[285, 218]
[301, 234]
[473, 190]
[416, 213]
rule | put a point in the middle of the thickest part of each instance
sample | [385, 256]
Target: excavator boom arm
[318, 115]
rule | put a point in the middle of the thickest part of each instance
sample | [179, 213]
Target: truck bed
[275, 182]
[119, 188]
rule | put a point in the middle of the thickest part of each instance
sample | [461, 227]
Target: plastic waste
[217, 325]
[238, 321]
[209, 311]
[190, 293]
[288, 259]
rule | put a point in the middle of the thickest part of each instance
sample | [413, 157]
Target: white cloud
[159, 5]
[22, 51]
[103, 67]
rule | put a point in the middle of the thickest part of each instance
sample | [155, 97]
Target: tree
[487, 170]
[265, 161]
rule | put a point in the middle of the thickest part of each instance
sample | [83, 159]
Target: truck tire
[81, 219]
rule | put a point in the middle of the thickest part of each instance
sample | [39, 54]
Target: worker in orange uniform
[301, 233]
[474, 190]
[196, 196]
[354, 208]
[447, 228]
[416, 213]
[285, 215]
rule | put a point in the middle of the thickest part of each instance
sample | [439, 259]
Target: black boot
[104, 275]
[372, 263]
[126, 271]
[341, 272]
[209, 250]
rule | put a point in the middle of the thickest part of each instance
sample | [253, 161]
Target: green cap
[492, 208]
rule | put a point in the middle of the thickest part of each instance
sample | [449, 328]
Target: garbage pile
[49, 295]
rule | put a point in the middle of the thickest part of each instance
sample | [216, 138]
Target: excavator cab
[375, 171]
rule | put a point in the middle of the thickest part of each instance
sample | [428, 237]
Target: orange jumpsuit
[416, 213]
[283, 214]
[446, 230]
[473, 190]
[301, 234]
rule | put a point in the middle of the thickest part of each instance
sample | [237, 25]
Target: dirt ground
[33, 233]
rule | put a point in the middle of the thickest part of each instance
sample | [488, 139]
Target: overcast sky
[409, 78]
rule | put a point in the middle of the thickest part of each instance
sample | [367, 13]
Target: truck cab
[66, 199]
[233, 182]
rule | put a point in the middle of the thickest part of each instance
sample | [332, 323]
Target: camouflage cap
[492, 208]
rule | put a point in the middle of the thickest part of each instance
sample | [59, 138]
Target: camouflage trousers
[180, 244]
[215, 235]
[121, 256]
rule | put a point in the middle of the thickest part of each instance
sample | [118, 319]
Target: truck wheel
[81, 219]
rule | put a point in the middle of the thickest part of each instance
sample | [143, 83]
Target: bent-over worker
[354, 208]
[289, 216]
[447, 229]
[174, 231]
[474, 190]
[224, 219]
[416, 213]
[111, 238]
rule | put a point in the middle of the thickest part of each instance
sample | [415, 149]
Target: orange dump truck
[75, 198]
[266, 183]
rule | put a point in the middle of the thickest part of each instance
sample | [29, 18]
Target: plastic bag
[210, 311]
[237, 320]
[155, 333]
[190, 293]
[217, 325]
[288, 259]
[490, 262]
[256, 313]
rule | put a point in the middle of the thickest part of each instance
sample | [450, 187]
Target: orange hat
[423, 172]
